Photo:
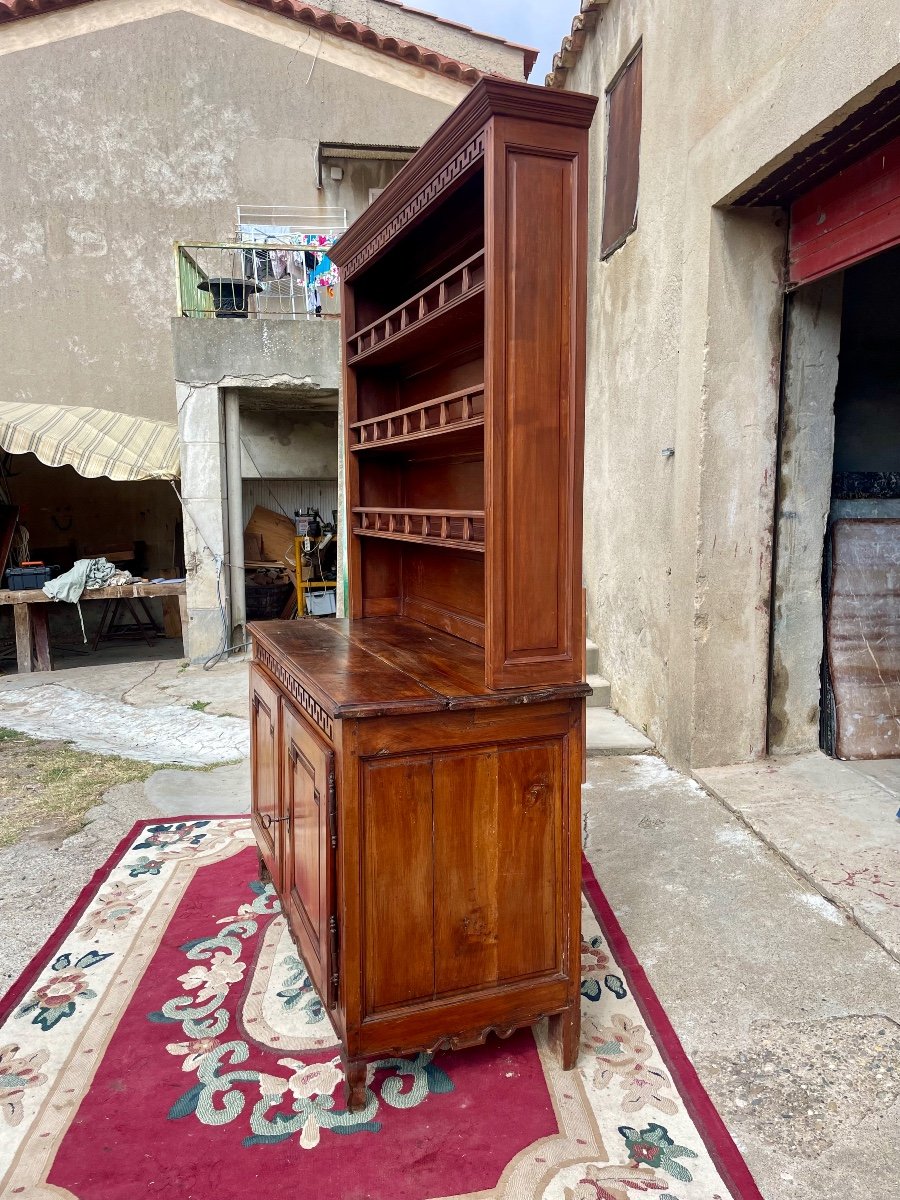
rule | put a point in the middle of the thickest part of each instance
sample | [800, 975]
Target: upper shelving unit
[407, 328]
[443, 419]
[463, 291]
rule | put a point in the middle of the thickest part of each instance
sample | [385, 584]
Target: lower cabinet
[428, 867]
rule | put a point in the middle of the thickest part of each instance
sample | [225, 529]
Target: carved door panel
[265, 786]
[310, 804]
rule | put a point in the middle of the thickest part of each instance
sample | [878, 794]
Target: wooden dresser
[417, 768]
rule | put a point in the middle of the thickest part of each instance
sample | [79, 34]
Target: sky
[539, 23]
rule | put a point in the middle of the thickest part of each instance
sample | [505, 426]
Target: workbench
[31, 615]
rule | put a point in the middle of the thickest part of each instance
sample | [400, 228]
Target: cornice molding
[450, 152]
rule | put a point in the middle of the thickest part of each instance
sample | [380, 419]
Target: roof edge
[409, 52]
[529, 52]
[570, 49]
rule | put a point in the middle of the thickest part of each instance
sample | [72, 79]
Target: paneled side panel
[529, 824]
[534, 399]
[539, 198]
[466, 870]
[398, 874]
[308, 767]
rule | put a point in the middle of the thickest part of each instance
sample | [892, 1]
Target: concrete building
[730, 378]
[135, 124]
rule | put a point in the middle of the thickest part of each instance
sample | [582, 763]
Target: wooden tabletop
[37, 596]
[380, 664]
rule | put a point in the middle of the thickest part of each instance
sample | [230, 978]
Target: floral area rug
[168, 1043]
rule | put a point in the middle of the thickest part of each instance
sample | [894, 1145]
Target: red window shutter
[849, 217]
[623, 145]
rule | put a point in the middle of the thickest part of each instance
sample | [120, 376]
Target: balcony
[276, 280]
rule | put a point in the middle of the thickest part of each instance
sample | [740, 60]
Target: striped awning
[92, 440]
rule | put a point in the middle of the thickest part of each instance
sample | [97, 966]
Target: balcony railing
[256, 279]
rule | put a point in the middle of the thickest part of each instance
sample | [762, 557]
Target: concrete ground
[147, 683]
[835, 822]
[787, 1003]
[110, 705]
[163, 711]
[788, 1009]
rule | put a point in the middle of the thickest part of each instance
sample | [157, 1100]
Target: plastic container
[321, 604]
[20, 579]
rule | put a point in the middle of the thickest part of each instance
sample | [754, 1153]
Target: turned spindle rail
[461, 529]
[430, 419]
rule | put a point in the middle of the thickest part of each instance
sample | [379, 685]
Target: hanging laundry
[279, 263]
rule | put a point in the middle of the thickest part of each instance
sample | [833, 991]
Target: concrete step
[592, 657]
[601, 692]
[608, 733]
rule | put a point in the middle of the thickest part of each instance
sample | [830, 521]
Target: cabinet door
[265, 777]
[310, 802]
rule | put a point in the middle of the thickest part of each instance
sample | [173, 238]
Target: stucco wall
[128, 126]
[289, 445]
[684, 345]
[301, 355]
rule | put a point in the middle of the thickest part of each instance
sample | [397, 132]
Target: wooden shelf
[457, 529]
[444, 418]
[406, 329]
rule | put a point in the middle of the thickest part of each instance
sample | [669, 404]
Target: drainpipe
[234, 486]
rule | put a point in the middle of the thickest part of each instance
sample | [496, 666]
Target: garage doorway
[835, 670]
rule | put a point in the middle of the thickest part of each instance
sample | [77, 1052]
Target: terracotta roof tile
[306, 14]
[571, 47]
[529, 52]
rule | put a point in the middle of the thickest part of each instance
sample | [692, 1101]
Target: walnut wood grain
[383, 665]
[308, 867]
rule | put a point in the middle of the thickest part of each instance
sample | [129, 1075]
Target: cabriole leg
[354, 1084]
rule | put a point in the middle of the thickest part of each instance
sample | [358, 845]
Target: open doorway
[860, 711]
[835, 671]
